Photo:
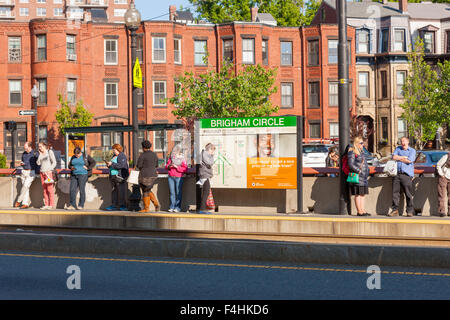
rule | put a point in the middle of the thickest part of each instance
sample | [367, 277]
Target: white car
[314, 155]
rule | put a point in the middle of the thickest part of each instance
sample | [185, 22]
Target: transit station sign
[252, 153]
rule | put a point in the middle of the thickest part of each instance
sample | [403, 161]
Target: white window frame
[116, 106]
[201, 54]
[154, 60]
[10, 92]
[116, 52]
[290, 96]
[154, 94]
[165, 141]
[74, 81]
[178, 40]
[246, 52]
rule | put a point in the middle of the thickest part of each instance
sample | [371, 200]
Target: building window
[41, 12]
[402, 128]
[363, 41]
[71, 91]
[287, 100]
[14, 49]
[111, 95]
[384, 93]
[334, 130]
[399, 40]
[159, 93]
[332, 51]
[384, 40]
[384, 129]
[248, 51]
[200, 50]
[313, 53]
[58, 12]
[448, 46]
[228, 50]
[333, 94]
[70, 48]
[42, 84]
[140, 48]
[110, 138]
[41, 47]
[286, 53]
[110, 52]
[24, 12]
[401, 78]
[428, 41]
[140, 98]
[314, 101]
[159, 141]
[314, 129]
[15, 92]
[19, 141]
[43, 134]
[159, 50]
[363, 84]
[177, 51]
[265, 52]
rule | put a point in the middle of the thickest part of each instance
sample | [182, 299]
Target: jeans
[119, 193]
[78, 181]
[175, 188]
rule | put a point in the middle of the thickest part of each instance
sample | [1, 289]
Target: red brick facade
[92, 74]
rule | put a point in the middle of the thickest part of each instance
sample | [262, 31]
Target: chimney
[172, 12]
[403, 5]
[254, 12]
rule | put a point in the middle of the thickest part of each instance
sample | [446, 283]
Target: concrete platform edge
[268, 251]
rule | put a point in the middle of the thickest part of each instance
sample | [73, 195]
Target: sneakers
[17, 205]
[24, 206]
[171, 210]
[123, 209]
[176, 210]
[410, 214]
[204, 212]
[70, 207]
[46, 208]
[111, 208]
[393, 213]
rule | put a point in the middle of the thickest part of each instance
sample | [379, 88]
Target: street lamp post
[132, 22]
[35, 95]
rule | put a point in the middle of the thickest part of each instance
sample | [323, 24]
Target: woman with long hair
[176, 166]
[47, 161]
[357, 163]
[147, 164]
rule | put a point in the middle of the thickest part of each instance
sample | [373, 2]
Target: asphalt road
[44, 276]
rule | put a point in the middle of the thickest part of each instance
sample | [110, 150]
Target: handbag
[134, 177]
[353, 177]
[48, 180]
[117, 179]
[391, 168]
[210, 201]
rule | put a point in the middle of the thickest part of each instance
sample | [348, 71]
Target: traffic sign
[27, 112]
[137, 75]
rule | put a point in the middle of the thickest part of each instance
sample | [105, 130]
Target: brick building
[91, 63]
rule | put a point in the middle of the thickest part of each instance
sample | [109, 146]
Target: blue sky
[150, 9]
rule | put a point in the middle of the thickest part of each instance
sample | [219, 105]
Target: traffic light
[10, 125]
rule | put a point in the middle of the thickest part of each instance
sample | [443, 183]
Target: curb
[254, 250]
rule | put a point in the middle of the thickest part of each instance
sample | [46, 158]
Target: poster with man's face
[251, 152]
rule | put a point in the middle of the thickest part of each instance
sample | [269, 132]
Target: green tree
[225, 94]
[70, 117]
[286, 12]
[420, 91]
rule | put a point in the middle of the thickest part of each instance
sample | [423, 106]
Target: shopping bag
[210, 201]
[134, 177]
[391, 168]
[48, 180]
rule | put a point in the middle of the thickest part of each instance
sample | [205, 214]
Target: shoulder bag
[353, 177]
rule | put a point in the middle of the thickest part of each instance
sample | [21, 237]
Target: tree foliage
[225, 93]
[286, 12]
[426, 94]
[72, 117]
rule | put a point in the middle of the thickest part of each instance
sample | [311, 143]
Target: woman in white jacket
[47, 161]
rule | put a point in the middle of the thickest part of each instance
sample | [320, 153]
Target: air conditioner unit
[72, 57]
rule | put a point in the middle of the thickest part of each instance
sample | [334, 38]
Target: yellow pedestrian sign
[137, 74]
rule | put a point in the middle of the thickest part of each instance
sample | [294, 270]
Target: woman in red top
[177, 166]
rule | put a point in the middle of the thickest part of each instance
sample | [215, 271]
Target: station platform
[284, 226]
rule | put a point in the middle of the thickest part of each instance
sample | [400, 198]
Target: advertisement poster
[253, 153]
[75, 141]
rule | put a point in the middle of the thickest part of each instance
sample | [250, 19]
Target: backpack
[345, 167]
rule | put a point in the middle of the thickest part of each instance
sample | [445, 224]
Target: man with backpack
[443, 170]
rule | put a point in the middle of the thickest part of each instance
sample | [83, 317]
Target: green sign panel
[264, 122]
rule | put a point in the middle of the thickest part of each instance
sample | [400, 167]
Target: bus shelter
[80, 137]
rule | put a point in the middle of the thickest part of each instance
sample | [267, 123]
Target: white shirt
[443, 171]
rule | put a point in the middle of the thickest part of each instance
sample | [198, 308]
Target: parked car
[314, 155]
[428, 158]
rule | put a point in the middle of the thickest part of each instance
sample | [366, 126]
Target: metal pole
[344, 118]
[36, 126]
[300, 164]
[135, 121]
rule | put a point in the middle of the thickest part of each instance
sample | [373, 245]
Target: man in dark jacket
[29, 169]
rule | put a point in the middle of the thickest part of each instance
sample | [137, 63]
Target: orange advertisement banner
[272, 173]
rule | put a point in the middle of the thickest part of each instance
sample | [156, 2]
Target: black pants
[205, 193]
[402, 182]
[119, 193]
